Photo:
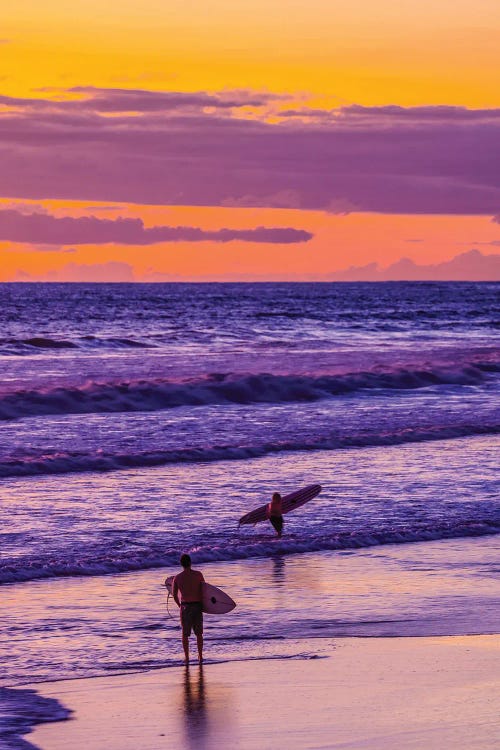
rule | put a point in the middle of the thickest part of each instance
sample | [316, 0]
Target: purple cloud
[92, 99]
[445, 113]
[384, 159]
[115, 271]
[40, 229]
[470, 266]
[140, 100]
[282, 199]
[24, 208]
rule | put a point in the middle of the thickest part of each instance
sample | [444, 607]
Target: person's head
[186, 561]
[276, 496]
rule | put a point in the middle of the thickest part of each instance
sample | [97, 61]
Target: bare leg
[185, 645]
[277, 523]
[199, 641]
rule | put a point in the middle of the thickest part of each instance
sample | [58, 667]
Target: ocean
[142, 421]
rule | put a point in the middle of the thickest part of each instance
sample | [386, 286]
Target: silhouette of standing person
[187, 583]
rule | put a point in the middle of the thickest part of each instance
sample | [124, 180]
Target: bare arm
[175, 592]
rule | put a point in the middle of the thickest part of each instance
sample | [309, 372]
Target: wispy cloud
[85, 99]
[114, 271]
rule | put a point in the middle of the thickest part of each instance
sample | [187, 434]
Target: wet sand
[377, 693]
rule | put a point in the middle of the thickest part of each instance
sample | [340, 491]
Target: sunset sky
[161, 140]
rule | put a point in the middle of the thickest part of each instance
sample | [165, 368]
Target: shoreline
[390, 622]
[276, 547]
[119, 624]
[23, 708]
[368, 692]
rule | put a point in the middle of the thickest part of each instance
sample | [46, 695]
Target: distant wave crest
[69, 462]
[154, 395]
[20, 347]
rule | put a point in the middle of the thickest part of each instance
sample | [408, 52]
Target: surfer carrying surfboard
[274, 512]
[188, 584]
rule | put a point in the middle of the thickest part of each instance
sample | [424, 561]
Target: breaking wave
[235, 548]
[218, 388]
[19, 347]
[69, 462]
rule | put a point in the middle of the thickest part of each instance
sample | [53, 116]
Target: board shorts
[191, 618]
[277, 522]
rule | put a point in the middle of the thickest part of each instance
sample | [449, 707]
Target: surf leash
[168, 599]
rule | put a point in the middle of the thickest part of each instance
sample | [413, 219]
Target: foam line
[248, 546]
[75, 462]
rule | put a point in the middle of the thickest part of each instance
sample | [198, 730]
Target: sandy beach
[368, 693]
[249, 353]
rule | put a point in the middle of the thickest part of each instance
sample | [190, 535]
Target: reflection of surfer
[188, 584]
[195, 710]
[274, 512]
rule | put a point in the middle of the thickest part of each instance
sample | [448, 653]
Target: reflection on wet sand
[207, 714]
[195, 709]
[278, 569]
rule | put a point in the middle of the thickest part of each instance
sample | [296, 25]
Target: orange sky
[339, 241]
[322, 54]
[388, 51]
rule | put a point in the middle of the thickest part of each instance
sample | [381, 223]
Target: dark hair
[186, 561]
[276, 496]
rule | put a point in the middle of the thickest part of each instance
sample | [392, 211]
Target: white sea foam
[20, 710]
[92, 564]
[61, 462]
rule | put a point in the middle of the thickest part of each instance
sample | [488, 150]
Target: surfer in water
[187, 583]
[274, 512]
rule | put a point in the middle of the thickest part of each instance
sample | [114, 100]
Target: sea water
[142, 421]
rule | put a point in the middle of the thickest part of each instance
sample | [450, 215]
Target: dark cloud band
[45, 229]
[198, 149]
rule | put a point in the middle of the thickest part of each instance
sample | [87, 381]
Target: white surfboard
[290, 502]
[214, 601]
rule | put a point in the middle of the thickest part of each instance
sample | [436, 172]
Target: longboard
[214, 601]
[290, 502]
